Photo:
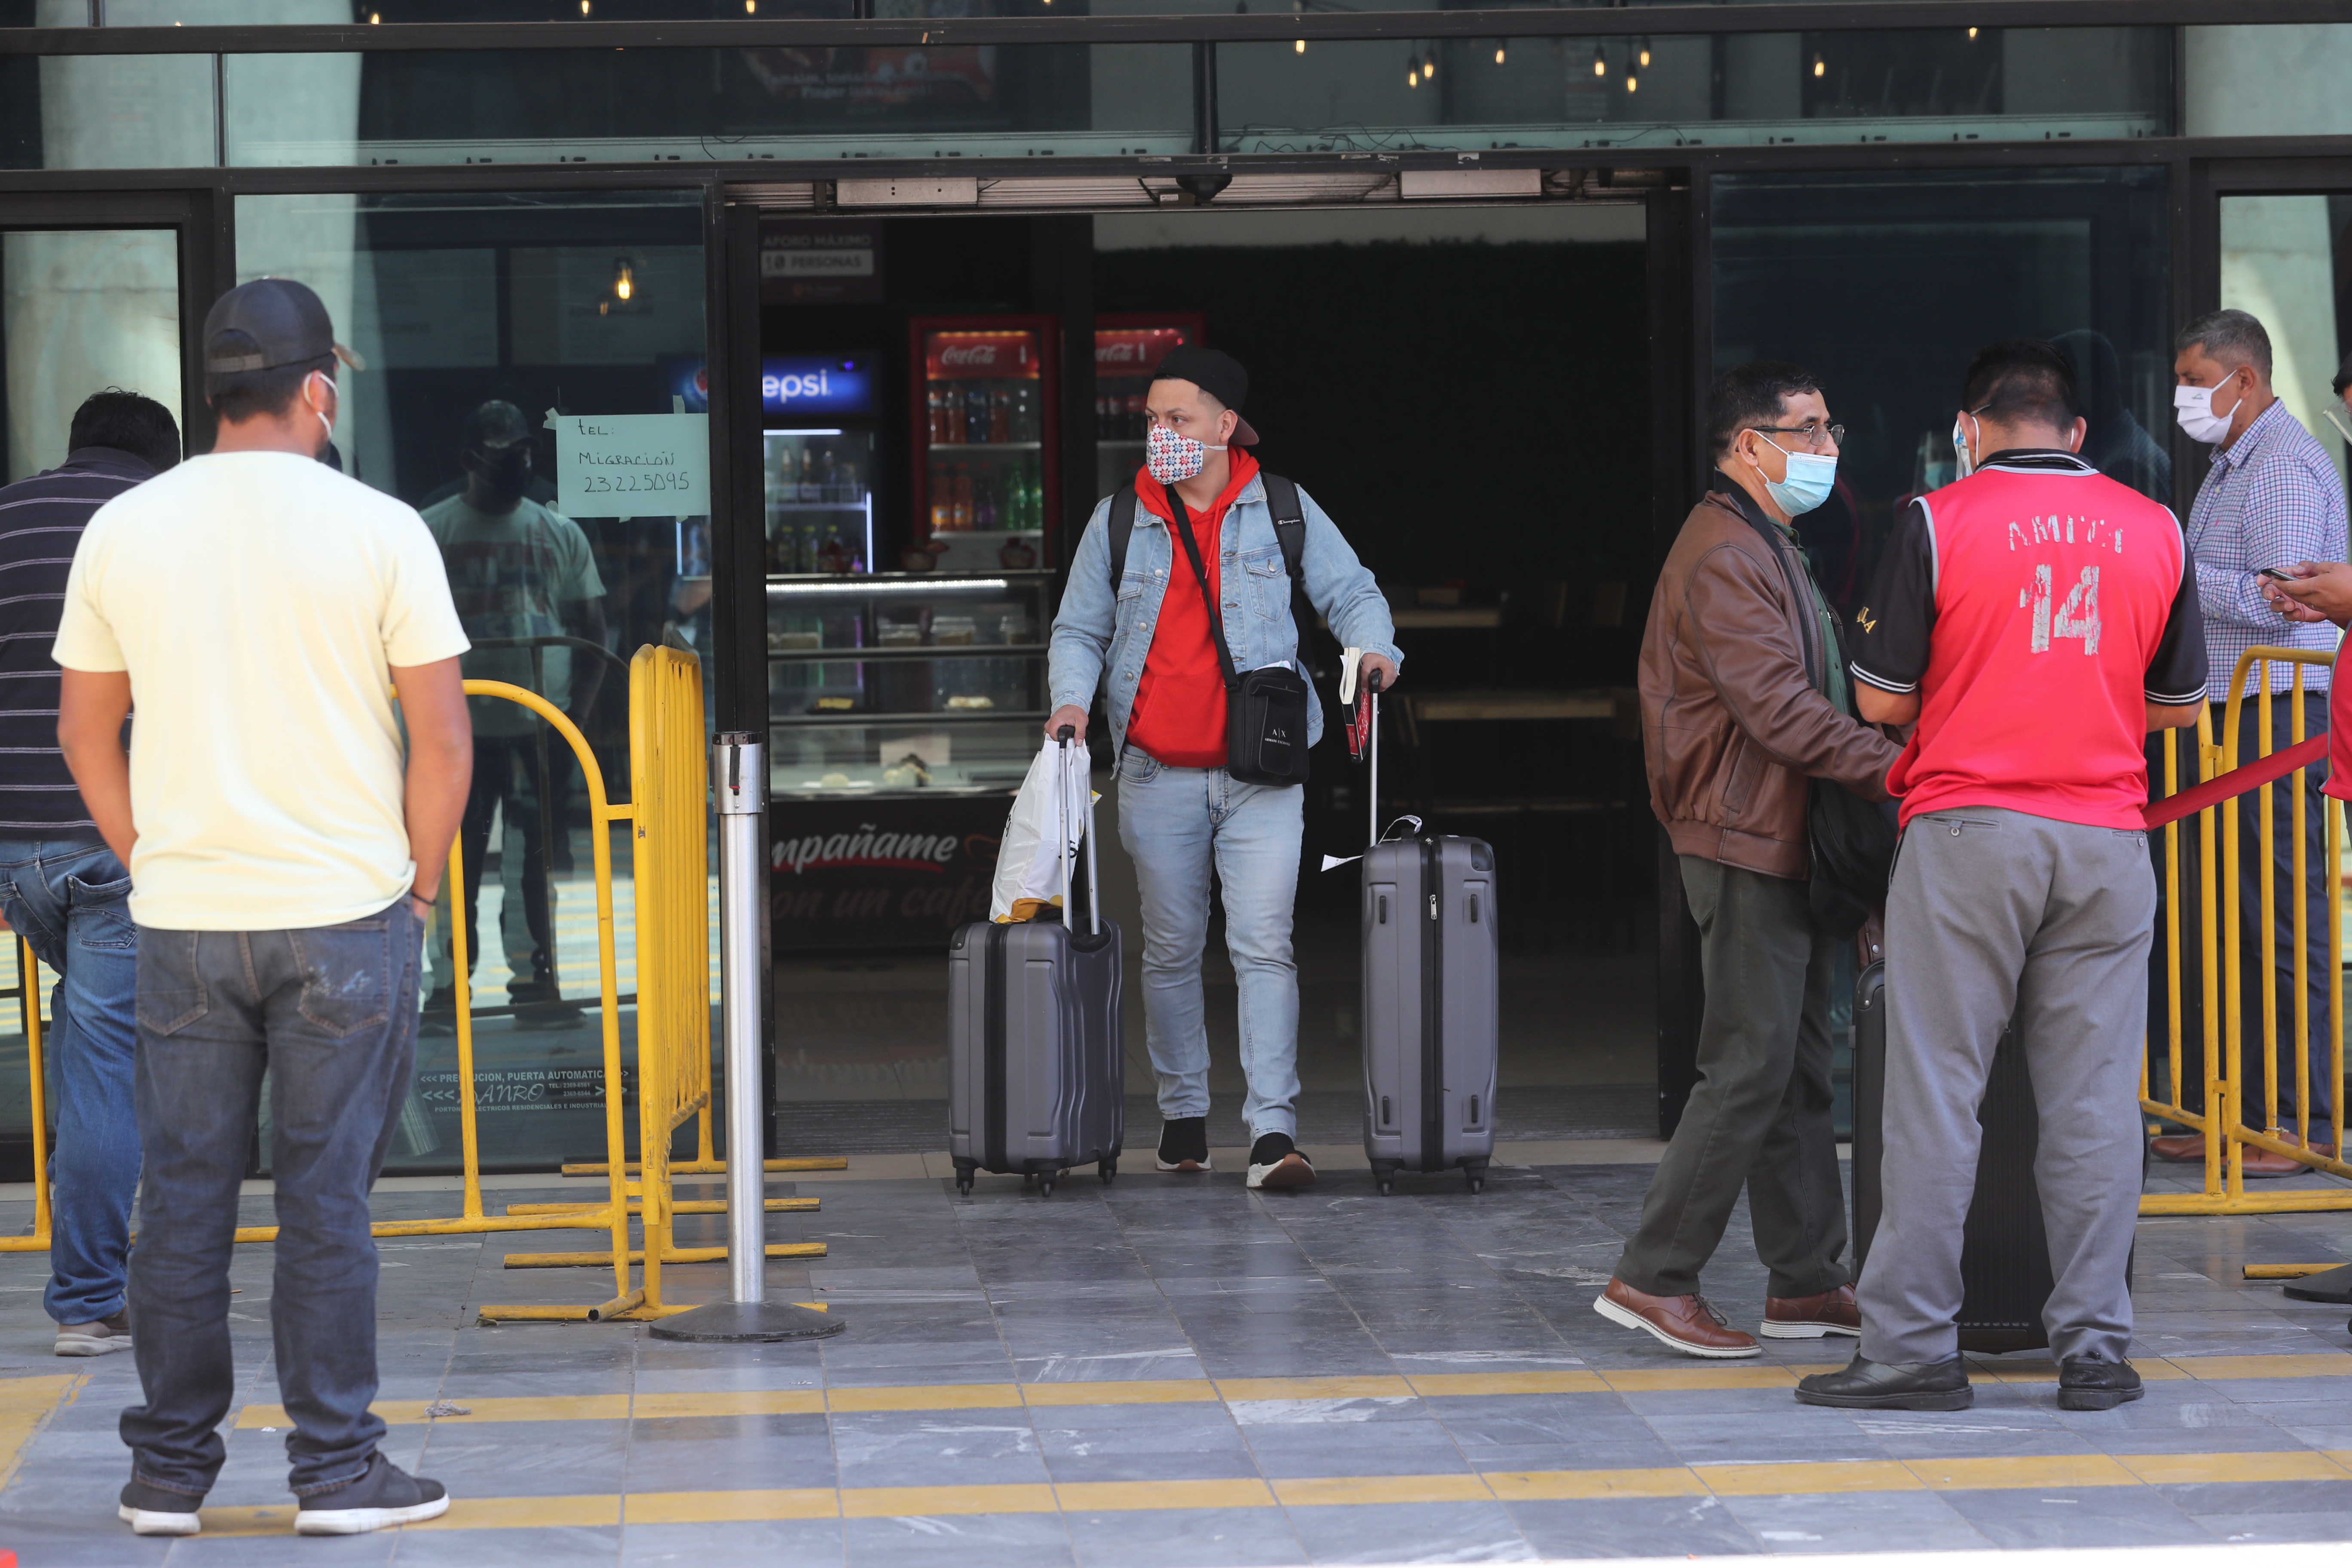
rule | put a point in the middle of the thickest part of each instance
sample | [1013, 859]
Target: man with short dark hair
[2272, 499]
[264, 610]
[1182, 817]
[2035, 621]
[60, 886]
[1745, 705]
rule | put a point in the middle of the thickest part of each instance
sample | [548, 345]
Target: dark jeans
[331, 1013]
[1761, 1116]
[68, 899]
[2284, 893]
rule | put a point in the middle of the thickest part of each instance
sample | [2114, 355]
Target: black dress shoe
[2334, 1286]
[2089, 1383]
[1892, 1386]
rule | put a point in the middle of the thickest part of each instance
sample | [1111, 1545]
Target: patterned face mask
[1174, 459]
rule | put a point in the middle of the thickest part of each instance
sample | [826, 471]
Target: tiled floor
[1176, 1371]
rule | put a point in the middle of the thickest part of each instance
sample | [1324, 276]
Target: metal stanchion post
[739, 779]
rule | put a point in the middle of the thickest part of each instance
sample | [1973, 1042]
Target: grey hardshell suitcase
[1037, 1076]
[1432, 998]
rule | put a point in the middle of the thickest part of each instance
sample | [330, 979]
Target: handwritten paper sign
[632, 465]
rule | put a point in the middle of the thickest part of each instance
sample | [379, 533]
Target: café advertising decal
[894, 872]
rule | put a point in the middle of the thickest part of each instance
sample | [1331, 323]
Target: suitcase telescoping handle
[1062, 791]
[1372, 751]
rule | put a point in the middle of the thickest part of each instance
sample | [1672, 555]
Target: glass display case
[820, 500]
[905, 683]
[984, 442]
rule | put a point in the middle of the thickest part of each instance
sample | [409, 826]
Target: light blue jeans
[1177, 824]
[69, 898]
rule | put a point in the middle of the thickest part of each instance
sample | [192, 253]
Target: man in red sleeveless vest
[2035, 621]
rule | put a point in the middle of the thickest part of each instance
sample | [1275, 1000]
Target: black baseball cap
[285, 323]
[1219, 375]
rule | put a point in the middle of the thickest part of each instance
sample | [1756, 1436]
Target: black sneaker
[2090, 1383]
[1275, 1162]
[1865, 1384]
[158, 1510]
[1184, 1144]
[384, 1495]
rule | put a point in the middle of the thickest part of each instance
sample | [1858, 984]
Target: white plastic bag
[1029, 861]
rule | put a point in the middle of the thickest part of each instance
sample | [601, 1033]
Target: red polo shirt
[1179, 714]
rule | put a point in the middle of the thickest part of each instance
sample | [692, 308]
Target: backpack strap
[1122, 528]
[1290, 532]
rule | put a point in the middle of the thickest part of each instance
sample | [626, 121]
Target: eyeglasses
[1811, 433]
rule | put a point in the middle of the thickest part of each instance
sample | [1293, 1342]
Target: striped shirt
[2272, 499]
[41, 521]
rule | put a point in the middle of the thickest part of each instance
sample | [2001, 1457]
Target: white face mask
[325, 423]
[2192, 409]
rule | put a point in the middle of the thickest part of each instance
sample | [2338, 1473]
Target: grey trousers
[1761, 1116]
[1993, 915]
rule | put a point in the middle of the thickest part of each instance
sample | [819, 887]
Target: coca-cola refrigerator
[984, 485]
[1128, 348]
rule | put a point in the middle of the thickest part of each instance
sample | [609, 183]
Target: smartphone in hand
[2277, 574]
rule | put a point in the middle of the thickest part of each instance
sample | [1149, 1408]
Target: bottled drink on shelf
[1000, 416]
[828, 476]
[1024, 413]
[975, 414]
[942, 498]
[960, 503]
[952, 407]
[983, 500]
[850, 491]
[936, 406]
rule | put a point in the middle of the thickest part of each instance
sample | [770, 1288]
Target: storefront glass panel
[1958, 84]
[2288, 260]
[558, 106]
[81, 310]
[491, 326]
[109, 111]
[1885, 285]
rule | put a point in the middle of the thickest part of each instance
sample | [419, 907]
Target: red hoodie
[1179, 713]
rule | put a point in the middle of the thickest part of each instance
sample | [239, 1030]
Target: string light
[1645, 54]
[1630, 83]
[1300, 46]
[1599, 61]
[1429, 66]
[1972, 32]
[1498, 53]
[1820, 66]
[751, 7]
[1412, 78]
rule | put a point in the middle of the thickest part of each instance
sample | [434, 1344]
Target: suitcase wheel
[963, 1186]
[1386, 1186]
[1477, 1183]
[1106, 1170]
[1045, 1185]
[965, 1171]
[1477, 1176]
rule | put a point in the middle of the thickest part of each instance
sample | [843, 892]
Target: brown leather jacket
[1733, 718]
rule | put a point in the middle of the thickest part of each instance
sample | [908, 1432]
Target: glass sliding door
[514, 344]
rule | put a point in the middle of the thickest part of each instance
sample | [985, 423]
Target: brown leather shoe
[1685, 1323]
[2180, 1148]
[2188, 1148]
[1813, 1317]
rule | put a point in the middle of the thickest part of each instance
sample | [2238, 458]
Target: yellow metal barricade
[29, 990]
[2229, 1123]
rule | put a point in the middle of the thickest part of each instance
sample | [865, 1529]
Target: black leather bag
[1265, 710]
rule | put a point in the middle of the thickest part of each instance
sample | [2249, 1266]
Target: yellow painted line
[1548, 1485]
[2023, 1472]
[1107, 1496]
[2006, 1473]
[900, 1502]
[1170, 1391]
[1332, 1490]
[1434, 1385]
[1314, 1388]
[731, 1507]
[40, 1392]
[947, 1397]
[26, 1405]
[2176, 1469]
[1801, 1476]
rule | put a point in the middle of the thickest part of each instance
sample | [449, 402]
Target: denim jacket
[1096, 634]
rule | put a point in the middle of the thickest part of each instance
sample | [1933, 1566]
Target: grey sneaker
[158, 1510]
[101, 1337]
[384, 1495]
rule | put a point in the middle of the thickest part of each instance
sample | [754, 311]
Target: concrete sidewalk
[1173, 1371]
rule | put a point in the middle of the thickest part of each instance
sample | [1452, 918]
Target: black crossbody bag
[1265, 710]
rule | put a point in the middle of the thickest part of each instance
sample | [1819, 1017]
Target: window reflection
[532, 386]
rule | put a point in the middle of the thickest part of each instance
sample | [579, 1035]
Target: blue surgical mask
[1811, 479]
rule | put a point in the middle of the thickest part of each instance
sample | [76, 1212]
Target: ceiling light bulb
[1645, 57]
[1600, 66]
[1630, 83]
[1429, 66]
[625, 281]
[1498, 53]
[1413, 79]
[1972, 32]
[1300, 47]
[583, 7]
[1819, 65]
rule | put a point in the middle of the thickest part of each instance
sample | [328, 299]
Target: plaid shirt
[2272, 499]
